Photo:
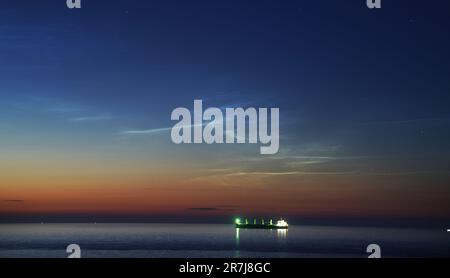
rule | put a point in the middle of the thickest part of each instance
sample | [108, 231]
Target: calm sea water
[217, 241]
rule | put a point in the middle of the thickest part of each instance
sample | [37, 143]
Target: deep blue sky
[357, 64]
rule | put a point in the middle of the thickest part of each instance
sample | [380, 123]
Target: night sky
[86, 97]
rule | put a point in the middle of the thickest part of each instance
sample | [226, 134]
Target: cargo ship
[245, 224]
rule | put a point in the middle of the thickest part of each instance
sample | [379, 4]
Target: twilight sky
[86, 97]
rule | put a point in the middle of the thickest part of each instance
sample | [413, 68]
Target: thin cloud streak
[156, 130]
[91, 118]
[145, 131]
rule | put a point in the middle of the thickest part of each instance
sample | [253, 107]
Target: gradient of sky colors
[86, 97]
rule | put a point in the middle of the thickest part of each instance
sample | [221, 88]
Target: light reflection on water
[282, 233]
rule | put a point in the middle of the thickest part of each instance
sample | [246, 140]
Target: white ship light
[282, 223]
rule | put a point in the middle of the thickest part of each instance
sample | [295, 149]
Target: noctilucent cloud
[86, 97]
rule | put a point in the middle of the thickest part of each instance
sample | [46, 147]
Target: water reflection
[282, 233]
[279, 233]
[237, 253]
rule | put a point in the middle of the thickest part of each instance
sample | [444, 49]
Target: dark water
[217, 241]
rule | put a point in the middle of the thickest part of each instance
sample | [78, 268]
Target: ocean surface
[215, 241]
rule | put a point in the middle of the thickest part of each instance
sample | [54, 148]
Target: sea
[98, 240]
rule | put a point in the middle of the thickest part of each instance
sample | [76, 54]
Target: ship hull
[261, 226]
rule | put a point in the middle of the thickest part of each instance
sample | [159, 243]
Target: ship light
[237, 221]
[282, 223]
